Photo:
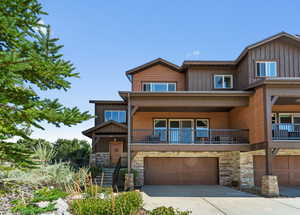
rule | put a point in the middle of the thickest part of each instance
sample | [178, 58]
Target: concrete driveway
[217, 200]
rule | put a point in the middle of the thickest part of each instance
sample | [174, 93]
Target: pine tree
[30, 62]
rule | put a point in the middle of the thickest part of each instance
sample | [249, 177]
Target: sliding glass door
[181, 131]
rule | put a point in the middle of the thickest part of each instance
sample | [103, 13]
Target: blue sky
[105, 38]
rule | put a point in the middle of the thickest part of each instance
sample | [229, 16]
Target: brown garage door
[177, 171]
[287, 169]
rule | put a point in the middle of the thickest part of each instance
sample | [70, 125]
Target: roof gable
[106, 127]
[267, 40]
[153, 63]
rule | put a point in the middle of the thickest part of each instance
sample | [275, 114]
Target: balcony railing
[190, 136]
[286, 131]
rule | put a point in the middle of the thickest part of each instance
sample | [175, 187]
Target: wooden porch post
[129, 133]
[268, 131]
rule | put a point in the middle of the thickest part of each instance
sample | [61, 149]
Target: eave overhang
[188, 98]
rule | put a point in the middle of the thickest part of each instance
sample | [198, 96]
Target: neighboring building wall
[227, 168]
[144, 120]
[281, 50]
[100, 108]
[201, 78]
[158, 73]
[251, 117]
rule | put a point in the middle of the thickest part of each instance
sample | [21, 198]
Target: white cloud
[193, 54]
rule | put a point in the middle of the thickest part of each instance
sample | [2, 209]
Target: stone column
[129, 181]
[269, 186]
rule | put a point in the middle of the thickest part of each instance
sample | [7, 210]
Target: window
[160, 129]
[266, 69]
[202, 127]
[159, 87]
[223, 81]
[116, 115]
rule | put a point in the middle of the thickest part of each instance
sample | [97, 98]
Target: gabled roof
[152, 63]
[243, 53]
[89, 132]
[268, 39]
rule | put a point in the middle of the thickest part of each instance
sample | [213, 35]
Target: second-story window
[223, 81]
[266, 69]
[159, 87]
[115, 115]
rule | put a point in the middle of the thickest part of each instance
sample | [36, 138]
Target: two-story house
[208, 122]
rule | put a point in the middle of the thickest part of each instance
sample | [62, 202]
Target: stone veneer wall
[100, 159]
[227, 163]
[103, 159]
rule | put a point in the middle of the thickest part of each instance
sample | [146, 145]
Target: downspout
[129, 133]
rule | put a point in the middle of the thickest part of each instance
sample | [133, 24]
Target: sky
[104, 39]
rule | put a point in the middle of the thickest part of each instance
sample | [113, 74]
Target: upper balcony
[286, 131]
[190, 139]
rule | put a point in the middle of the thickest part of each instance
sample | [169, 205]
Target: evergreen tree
[30, 62]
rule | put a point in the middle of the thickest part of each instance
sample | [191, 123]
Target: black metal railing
[286, 131]
[190, 136]
[116, 175]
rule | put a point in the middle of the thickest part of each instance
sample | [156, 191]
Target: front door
[116, 150]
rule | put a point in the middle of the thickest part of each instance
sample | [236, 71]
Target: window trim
[266, 61]
[163, 82]
[118, 115]
[223, 82]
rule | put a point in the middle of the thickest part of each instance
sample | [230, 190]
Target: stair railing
[116, 175]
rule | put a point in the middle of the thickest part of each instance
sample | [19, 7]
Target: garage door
[287, 169]
[180, 171]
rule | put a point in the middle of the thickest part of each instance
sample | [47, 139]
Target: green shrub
[47, 194]
[31, 209]
[168, 211]
[124, 171]
[57, 175]
[93, 190]
[124, 204]
[95, 171]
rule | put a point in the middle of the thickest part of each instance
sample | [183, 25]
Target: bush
[124, 171]
[95, 171]
[76, 152]
[92, 191]
[124, 204]
[57, 175]
[47, 194]
[168, 211]
[29, 207]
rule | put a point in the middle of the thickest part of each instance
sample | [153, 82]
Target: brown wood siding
[158, 73]
[217, 120]
[100, 108]
[285, 53]
[286, 108]
[181, 171]
[251, 117]
[287, 169]
[201, 79]
[242, 75]
[103, 144]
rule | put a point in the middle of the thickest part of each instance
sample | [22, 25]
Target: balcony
[286, 131]
[189, 136]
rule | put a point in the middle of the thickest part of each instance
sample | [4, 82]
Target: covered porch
[190, 120]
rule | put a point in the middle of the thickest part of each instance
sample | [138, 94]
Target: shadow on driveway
[193, 191]
[292, 191]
